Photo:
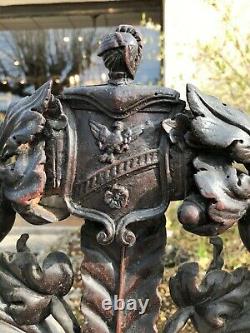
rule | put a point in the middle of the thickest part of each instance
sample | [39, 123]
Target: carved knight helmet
[122, 51]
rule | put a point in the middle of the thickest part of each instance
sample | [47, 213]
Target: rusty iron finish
[116, 155]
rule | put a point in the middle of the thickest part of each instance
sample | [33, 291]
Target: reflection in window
[31, 57]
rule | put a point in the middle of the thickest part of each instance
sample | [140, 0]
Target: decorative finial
[121, 52]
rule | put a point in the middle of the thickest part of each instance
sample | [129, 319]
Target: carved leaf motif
[21, 161]
[22, 157]
[129, 273]
[220, 183]
[224, 197]
[225, 191]
[31, 294]
[23, 121]
[25, 179]
[217, 125]
[218, 304]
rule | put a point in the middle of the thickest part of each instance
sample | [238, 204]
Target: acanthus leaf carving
[219, 196]
[224, 197]
[31, 294]
[24, 154]
[24, 121]
[219, 303]
[216, 125]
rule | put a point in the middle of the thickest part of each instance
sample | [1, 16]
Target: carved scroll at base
[120, 283]
[31, 296]
[220, 303]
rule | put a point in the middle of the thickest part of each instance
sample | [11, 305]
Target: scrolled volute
[31, 294]
[219, 136]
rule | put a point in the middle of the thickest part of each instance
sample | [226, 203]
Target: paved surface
[41, 237]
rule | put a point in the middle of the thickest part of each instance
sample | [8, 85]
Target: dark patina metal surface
[116, 155]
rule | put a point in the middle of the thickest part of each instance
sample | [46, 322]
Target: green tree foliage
[227, 58]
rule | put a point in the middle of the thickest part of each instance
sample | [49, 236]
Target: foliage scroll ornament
[31, 297]
[219, 303]
[116, 155]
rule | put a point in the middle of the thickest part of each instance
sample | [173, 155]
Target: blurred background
[201, 41]
[206, 42]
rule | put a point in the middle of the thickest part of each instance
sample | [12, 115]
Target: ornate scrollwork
[28, 158]
[22, 156]
[219, 303]
[218, 136]
[218, 127]
[31, 296]
[224, 197]
[221, 193]
[49, 167]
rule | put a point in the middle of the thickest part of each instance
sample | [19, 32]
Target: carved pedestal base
[124, 277]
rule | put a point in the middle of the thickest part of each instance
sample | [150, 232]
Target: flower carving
[117, 197]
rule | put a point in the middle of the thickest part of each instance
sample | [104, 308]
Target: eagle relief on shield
[101, 153]
[116, 154]
[121, 148]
